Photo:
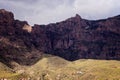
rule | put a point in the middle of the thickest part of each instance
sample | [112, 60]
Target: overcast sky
[51, 11]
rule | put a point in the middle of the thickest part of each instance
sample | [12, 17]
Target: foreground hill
[72, 39]
[56, 68]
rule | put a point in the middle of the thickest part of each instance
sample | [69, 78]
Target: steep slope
[77, 38]
[8, 73]
[72, 39]
[15, 42]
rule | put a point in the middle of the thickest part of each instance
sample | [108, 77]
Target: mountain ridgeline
[72, 39]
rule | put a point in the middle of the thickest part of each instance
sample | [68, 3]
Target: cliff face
[72, 39]
[77, 38]
[15, 41]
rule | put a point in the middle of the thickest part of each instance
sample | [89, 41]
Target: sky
[51, 11]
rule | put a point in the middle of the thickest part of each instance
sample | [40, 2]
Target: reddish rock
[6, 17]
[77, 38]
[72, 39]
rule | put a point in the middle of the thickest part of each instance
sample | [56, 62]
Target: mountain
[77, 38]
[72, 39]
[15, 38]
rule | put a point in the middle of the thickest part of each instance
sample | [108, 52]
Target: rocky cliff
[15, 41]
[72, 39]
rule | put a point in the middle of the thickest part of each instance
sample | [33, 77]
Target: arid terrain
[73, 49]
[56, 68]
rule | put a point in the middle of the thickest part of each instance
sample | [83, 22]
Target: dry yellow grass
[55, 68]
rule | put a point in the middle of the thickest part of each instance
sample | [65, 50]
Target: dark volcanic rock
[6, 17]
[72, 39]
[77, 38]
[15, 41]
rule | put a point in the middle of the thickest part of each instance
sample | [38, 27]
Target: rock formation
[77, 38]
[72, 39]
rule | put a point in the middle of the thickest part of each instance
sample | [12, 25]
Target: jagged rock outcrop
[15, 40]
[72, 39]
[77, 38]
[6, 18]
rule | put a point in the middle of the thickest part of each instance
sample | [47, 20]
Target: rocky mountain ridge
[72, 39]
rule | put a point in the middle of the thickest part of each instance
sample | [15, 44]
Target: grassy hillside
[8, 73]
[55, 68]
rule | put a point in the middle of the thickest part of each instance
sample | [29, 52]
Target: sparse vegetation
[55, 68]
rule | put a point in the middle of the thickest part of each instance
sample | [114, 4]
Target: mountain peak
[77, 16]
[6, 17]
[3, 11]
